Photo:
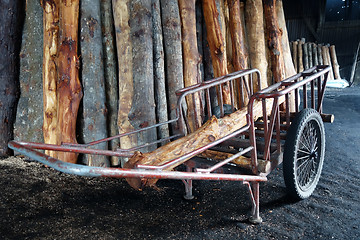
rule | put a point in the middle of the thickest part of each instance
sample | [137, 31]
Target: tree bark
[191, 60]
[306, 56]
[29, 115]
[295, 54]
[159, 71]
[256, 39]
[300, 56]
[217, 46]
[273, 36]
[335, 63]
[327, 61]
[50, 74]
[171, 24]
[212, 130]
[240, 54]
[320, 57]
[142, 113]
[126, 85]
[10, 39]
[111, 81]
[93, 80]
[69, 91]
[310, 54]
[315, 55]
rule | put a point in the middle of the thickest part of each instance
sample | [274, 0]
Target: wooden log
[295, 54]
[256, 38]
[240, 54]
[310, 54]
[217, 45]
[159, 70]
[315, 54]
[50, 74]
[225, 27]
[142, 113]
[285, 47]
[69, 91]
[191, 60]
[334, 61]
[319, 51]
[10, 39]
[327, 61]
[300, 56]
[29, 111]
[110, 72]
[171, 24]
[212, 130]
[94, 112]
[306, 56]
[273, 37]
[126, 84]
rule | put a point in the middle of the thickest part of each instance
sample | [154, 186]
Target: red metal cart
[296, 137]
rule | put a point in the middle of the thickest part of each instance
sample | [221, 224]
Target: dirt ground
[41, 203]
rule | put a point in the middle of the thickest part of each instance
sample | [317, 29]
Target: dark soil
[40, 203]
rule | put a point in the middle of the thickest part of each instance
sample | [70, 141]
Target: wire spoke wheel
[304, 154]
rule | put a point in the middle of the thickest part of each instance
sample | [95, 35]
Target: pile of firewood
[120, 71]
[307, 54]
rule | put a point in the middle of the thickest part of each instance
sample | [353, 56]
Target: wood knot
[211, 138]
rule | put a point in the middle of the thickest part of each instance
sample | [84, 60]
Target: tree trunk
[93, 79]
[217, 46]
[142, 113]
[240, 54]
[191, 60]
[334, 62]
[286, 52]
[126, 84]
[327, 61]
[159, 71]
[320, 57]
[310, 54]
[10, 18]
[111, 81]
[306, 56]
[300, 56]
[212, 130]
[69, 91]
[173, 53]
[315, 55]
[29, 116]
[273, 36]
[256, 39]
[50, 74]
[295, 54]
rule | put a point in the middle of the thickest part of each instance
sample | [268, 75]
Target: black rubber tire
[304, 154]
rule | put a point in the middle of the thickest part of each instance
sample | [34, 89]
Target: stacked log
[308, 54]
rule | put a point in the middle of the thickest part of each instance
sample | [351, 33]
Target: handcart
[279, 133]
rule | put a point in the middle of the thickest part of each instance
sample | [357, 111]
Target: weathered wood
[93, 80]
[110, 72]
[240, 54]
[29, 115]
[319, 51]
[300, 56]
[327, 61]
[142, 113]
[50, 75]
[256, 39]
[212, 130]
[273, 37]
[353, 68]
[310, 54]
[159, 71]
[295, 54]
[171, 24]
[306, 56]
[335, 63]
[69, 91]
[126, 84]
[217, 45]
[191, 60]
[285, 47]
[315, 54]
[10, 39]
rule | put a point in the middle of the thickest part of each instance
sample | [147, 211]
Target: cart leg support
[188, 185]
[254, 197]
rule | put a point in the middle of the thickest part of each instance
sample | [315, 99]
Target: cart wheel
[304, 154]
